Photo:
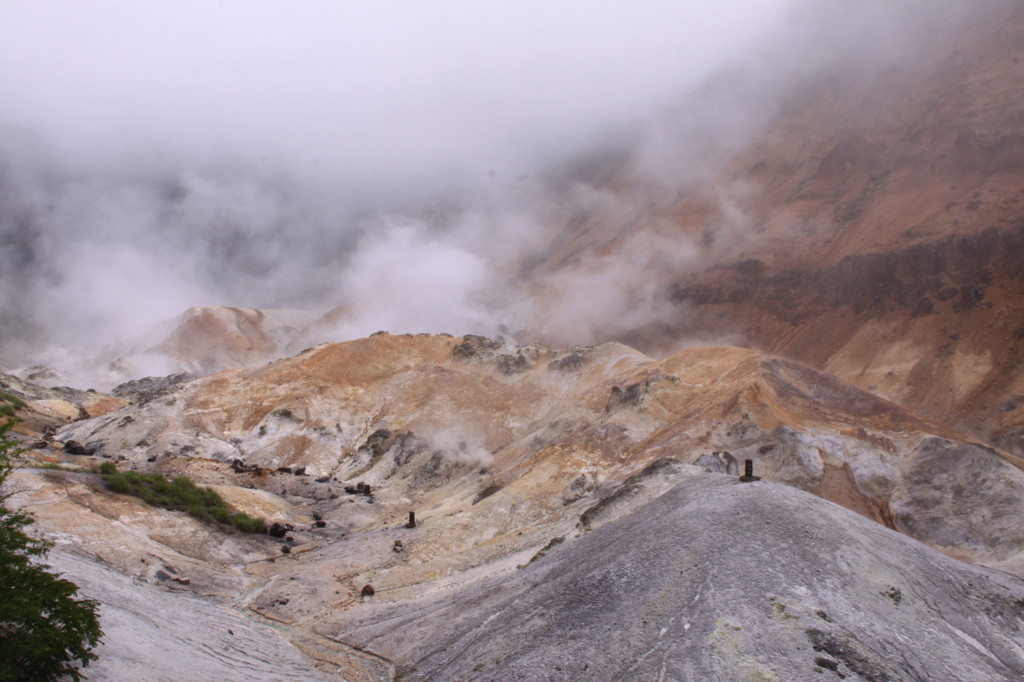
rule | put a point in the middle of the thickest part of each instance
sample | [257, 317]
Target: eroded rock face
[163, 636]
[955, 495]
[340, 443]
[415, 417]
[715, 580]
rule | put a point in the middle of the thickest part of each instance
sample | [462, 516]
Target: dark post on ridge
[748, 472]
[412, 520]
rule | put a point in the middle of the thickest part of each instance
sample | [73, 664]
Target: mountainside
[507, 453]
[875, 231]
[839, 304]
[716, 580]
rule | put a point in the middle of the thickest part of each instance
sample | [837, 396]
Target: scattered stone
[359, 489]
[73, 447]
[971, 295]
[718, 462]
[398, 546]
[147, 388]
[633, 395]
[513, 364]
[277, 530]
[474, 345]
[285, 549]
[367, 591]
[893, 593]
[569, 363]
[319, 524]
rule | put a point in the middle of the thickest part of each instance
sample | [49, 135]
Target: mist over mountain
[588, 341]
[404, 162]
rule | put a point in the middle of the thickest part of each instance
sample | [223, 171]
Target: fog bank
[400, 159]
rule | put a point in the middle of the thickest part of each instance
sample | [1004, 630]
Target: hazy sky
[358, 89]
[161, 155]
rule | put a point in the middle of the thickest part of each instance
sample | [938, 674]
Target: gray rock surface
[159, 635]
[717, 580]
[961, 495]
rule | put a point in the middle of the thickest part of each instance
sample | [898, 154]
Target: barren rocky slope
[505, 453]
[716, 580]
[875, 231]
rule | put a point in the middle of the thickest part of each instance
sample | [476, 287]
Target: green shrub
[179, 494]
[107, 468]
[118, 483]
[10, 404]
[247, 524]
[45, 630]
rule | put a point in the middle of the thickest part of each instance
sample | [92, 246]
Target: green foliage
[9, 404]
[106, 468]
[180, 494]
[45, 631]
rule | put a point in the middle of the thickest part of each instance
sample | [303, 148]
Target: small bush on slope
[180, 494]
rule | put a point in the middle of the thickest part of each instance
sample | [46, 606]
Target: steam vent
[631, 342]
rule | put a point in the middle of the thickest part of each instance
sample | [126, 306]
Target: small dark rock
[317, 516]
[285, 549]
[922, 306]
[161, 576]
[826, 663]
[289, 538]
[300, 471]
[570, 362]
[971, 295]
[319, 524]
[474, 345]
[633, 395]
[277, 530]
[367, 591]
[73, 447]
[513, 364]
[151, 458]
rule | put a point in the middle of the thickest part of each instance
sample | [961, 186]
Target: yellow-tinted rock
[99, 405]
